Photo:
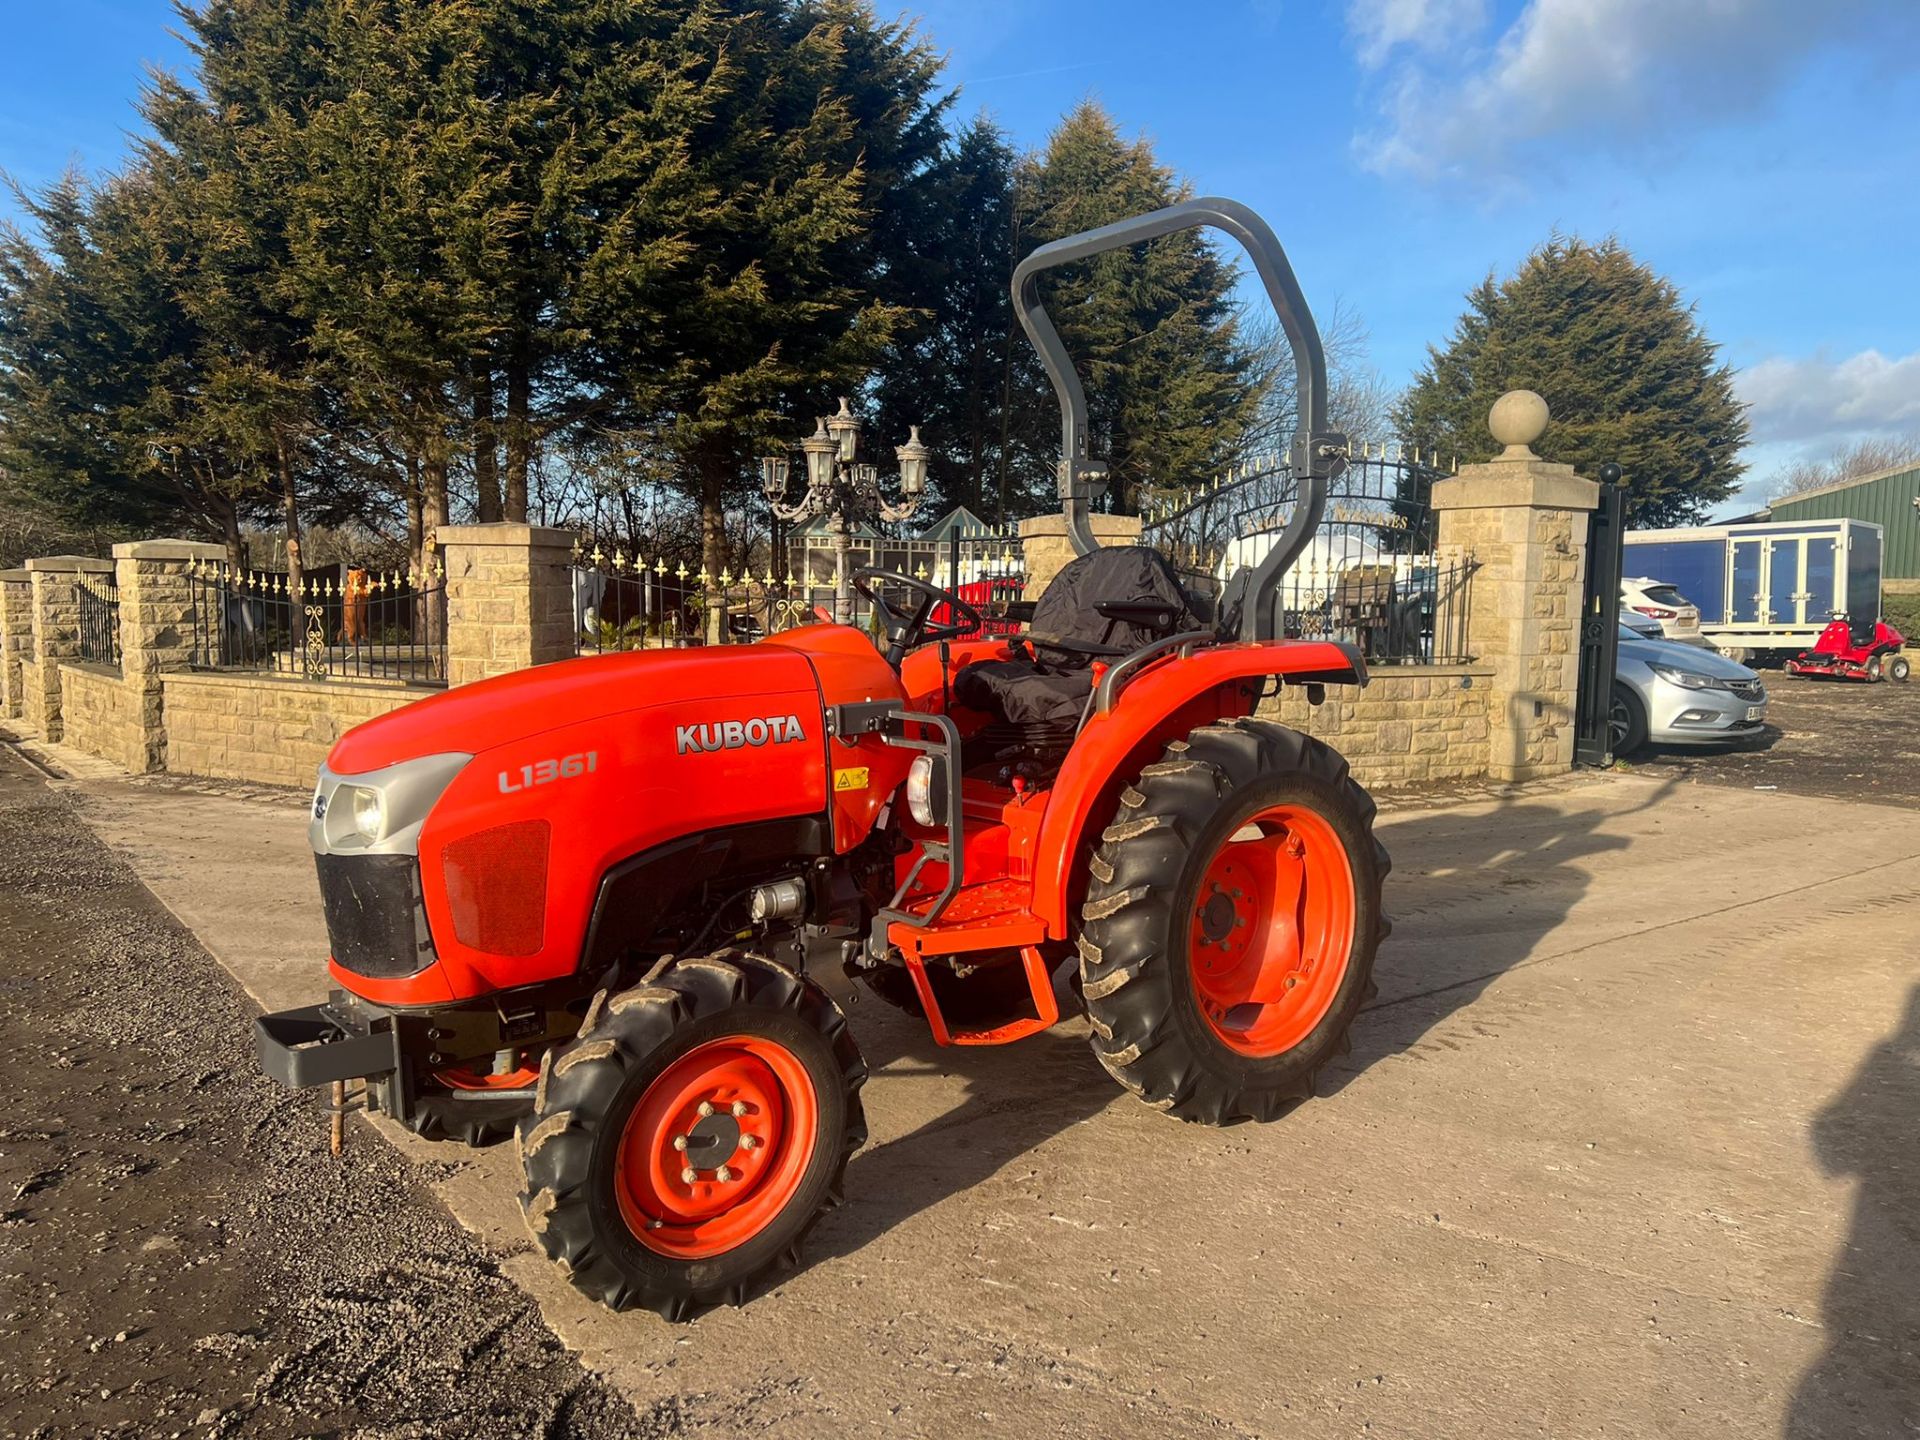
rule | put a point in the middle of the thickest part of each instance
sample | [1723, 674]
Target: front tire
[1231, 923]
[1626, 721]
[685, 1144]
[1897, 667]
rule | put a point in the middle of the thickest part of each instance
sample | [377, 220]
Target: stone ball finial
[1518, 418]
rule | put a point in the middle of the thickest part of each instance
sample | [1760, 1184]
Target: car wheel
[1626, 721]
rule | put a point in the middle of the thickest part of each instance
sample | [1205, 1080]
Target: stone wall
[272, 731]
[16, 638]
[99, 713]
[1411, 725]
[33, 697]
[509, 598]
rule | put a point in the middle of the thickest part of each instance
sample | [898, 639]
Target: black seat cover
[1045, 698]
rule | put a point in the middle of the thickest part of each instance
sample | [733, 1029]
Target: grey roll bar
[1318, 454]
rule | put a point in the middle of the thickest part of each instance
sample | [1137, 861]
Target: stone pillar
[509, 598]
[56, 631]
[16, 639]
[156, 633]
[1525, 521]
[1043, 540]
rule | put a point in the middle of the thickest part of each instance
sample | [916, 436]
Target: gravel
[179, 1254]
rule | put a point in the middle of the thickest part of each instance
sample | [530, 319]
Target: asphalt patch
[179, 1253]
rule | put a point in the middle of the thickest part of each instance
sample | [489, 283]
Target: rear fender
[1163, 702]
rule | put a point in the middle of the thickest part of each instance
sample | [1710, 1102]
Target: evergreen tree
[962, 369]
[1624, 366]
[1152, 328]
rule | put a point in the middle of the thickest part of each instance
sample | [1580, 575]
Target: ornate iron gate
[1600, 624]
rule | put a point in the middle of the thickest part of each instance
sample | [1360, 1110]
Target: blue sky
[1764, 154]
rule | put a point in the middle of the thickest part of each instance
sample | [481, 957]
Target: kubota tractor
[579, 901]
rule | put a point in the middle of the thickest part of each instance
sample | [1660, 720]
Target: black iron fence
[633, 602]
[1370, 574]
[343, 623]
[99, 596]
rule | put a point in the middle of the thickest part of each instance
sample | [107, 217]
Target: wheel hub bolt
[689, 1175]
[749, 1142]
[739, 1108]
[705, 1108]
[723, 1174]
[679, 1142]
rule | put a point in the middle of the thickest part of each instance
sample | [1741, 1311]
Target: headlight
[1686, 679]
[927, 791]
[380, 810]
[369, 812]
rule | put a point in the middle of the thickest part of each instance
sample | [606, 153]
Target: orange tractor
[579, 902]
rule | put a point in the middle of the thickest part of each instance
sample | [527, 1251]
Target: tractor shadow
[1015, 1099]
[1473, 895]
[1865, 1381]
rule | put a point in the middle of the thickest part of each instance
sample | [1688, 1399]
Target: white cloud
[1816, 399]
[1380, 27]
[1601, 71]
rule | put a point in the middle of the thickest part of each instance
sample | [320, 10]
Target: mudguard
[1169, 697]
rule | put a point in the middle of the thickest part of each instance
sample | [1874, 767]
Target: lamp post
[838, 484]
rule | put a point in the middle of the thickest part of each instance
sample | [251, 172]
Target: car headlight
[381, 810]
[1686, 679]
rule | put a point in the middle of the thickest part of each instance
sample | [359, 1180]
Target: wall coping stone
[168, 550]
[68, 564]
[506, 532]
[289, 682]
[21, 574]
[92, 667]
[1428, 672]
[1515, 484]
[1105, 527]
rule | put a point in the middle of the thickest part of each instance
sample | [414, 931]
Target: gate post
[16, 640]
[509, 598]
[56, 633]
[1525, 521]
[1047, 550]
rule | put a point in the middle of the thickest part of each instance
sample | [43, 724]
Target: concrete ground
[1626, 1147]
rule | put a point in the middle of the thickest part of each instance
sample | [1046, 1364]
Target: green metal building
[1890, 500]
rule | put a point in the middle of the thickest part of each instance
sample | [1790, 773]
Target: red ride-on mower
[1846, 651]
[578, 902]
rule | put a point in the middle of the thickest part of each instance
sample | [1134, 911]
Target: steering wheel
[907, 629]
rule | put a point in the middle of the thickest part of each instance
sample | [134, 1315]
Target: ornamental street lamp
[849, 491]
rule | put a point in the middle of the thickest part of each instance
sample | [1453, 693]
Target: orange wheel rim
[1270, 931]
[463, 1078]
[717, 1147]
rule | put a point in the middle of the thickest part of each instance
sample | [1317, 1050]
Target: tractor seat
[1036, 701]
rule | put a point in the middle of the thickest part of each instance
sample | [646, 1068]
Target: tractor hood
[473, 719]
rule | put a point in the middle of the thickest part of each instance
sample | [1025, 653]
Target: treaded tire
[1137, 979]
[570, 1144]
[473, 1123]
[1634, 735]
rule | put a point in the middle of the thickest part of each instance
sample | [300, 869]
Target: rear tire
[1231, 923]
[1626, 721]
[769, 1056]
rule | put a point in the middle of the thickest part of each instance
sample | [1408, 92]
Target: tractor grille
[1748, 690]
[376, 921]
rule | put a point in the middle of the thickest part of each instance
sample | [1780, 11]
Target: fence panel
[99, 597]
[353, 624]
[1371, 574]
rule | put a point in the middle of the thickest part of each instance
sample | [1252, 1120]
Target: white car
[1679, 617]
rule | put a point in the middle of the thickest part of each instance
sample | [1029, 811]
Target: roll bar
[1318, 453]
